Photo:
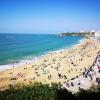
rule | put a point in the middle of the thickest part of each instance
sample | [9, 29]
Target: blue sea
[17, 47]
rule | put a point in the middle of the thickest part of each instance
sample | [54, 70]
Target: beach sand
[56, 67]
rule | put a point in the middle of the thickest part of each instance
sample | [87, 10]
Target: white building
[97, 34]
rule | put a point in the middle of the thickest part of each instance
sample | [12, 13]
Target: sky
[49, 16]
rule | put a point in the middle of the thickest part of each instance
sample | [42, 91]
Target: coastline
[32, 59]
[56, 67]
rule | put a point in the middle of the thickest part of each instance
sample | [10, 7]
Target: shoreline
[21, 62]
[56, 67]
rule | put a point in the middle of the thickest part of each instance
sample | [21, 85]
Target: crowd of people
[89, 77]
[69, 68]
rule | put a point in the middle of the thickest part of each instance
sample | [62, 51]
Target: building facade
[97, 34]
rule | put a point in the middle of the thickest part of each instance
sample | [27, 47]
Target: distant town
[82, 33]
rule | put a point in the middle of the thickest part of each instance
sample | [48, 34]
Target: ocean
[15, 48]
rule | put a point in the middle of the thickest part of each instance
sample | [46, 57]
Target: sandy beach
[59, 67]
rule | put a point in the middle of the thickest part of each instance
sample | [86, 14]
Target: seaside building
[97, 35]
[92, 33]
